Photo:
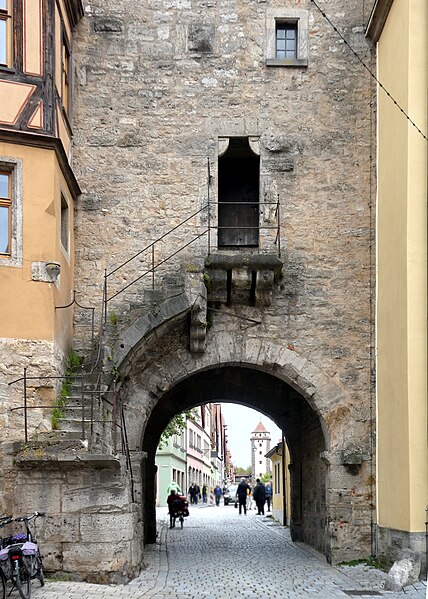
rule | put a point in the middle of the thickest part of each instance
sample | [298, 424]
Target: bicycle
[20, 558]
[4, 521]
[179, 509]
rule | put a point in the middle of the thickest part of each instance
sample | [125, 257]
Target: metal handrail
[94, 375]
[156, 241]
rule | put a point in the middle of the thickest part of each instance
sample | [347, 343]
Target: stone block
[110, 527]
[95, 496]
[405, 571]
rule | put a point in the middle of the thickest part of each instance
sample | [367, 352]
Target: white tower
[260, 445]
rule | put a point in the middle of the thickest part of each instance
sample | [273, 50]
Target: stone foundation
[90, 531]
[390, 543]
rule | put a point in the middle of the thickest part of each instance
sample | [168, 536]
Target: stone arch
[162, 371]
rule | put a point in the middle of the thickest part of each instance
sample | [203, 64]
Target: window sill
[5, 69]
[286, 62]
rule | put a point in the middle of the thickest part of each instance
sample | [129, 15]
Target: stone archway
[267, 393]
[329, 471]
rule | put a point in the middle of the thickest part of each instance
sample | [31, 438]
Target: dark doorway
[238, 195]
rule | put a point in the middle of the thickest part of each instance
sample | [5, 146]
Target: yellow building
[37, 185]
[280, 481]
[399, 28]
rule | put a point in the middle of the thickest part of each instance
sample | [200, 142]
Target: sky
[241, 422]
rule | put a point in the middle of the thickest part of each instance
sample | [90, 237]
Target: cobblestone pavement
[221, 555]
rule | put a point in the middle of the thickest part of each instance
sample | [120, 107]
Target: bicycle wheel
[22, 580]
[2, 586]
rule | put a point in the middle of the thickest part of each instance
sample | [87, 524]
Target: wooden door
[238, 210]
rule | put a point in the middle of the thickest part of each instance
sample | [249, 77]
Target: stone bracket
[198, 323]
[241, 278]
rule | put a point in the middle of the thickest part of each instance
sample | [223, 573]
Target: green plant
[207, 281]
[113, 318]
[58, 411]
[177, 425]
[74, 360]
[372, 562]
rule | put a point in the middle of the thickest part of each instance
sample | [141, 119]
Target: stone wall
[41, 359]
[158, 87]
[88, 506]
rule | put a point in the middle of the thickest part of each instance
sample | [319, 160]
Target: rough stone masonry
[160, 89]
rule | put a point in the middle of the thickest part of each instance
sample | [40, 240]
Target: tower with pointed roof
[260, 445]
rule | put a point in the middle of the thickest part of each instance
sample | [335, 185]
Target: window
[286, 40]
[238, 194]
[65, 224]
[65, 74]
[5, 213]
[286, 37]
[6, 33]
[10, 211]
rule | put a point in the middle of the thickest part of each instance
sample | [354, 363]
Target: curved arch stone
[225, 348]
[164, 371]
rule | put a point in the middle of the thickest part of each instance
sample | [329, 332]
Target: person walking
[194, 492]
[259, 495]
[204, 493]
[241, 493]
[217, 494]
[268, 493]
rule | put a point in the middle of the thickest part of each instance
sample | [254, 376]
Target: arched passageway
[279, 401]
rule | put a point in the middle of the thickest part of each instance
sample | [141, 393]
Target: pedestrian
[194, 492]
[241, 493]
[173, 485]
[268, 493]
[259, 495]
[217, 494]
[171, 503]
[249, 498]
[204, 493]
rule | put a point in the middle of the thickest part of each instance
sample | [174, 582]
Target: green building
[171, 466]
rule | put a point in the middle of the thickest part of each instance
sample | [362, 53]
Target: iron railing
[92, 371]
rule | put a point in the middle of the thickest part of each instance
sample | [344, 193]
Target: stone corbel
[223, 144]
[264, 287]
[254, 143]
[198, 324]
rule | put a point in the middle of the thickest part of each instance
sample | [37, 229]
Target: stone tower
[223, 237]
[260, 444]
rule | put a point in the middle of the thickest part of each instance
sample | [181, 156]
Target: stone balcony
[242, 278]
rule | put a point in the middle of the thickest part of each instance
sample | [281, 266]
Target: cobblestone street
[220, 554]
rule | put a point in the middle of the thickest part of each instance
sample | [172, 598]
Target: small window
[286, 40]
[65, 224]
[65, 76]
[287, 33]
[5, 213]
[5, 33]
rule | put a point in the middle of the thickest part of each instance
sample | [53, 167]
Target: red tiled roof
[260, 428]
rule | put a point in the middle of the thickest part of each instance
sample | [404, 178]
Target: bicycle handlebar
[4, 520]
[28, 518]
